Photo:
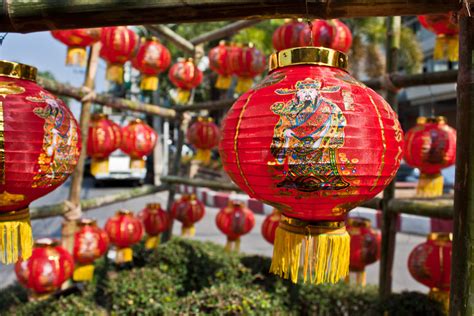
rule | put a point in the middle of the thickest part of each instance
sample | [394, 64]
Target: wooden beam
[208, 105]
[42, 15]
[179, 41]
[436, 208]
[212, 184]
[223, 32]
[405, 81]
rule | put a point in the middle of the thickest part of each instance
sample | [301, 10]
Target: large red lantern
[246, 63]
[39, 144]
[46, 270]
[90, 243]
[185, 75]
[155, 221]
[446, 30]
[430, 264]
[188, 210]
[138, 141]
[270, 225]
[152, 59]
[119, 45]
[313, 142]
[124, 230]
[342, 40]
[288, 35]
[430, 146]
[235, 220]
[365, 246]
[204, 135]
[219, 63]
[101, 142]
[77, 40]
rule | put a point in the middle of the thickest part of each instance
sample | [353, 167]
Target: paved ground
[253, 243]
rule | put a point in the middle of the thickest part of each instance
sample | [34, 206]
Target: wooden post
[462, 267]
[389, 218]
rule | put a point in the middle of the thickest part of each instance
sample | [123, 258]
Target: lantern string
[2, 37]
[468, 7]
[432, 101]
[310, 24]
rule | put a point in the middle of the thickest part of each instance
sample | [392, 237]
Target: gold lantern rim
[124, 212]
[45, 242]
[16, 70]
[86, 222]
[154, 206]
[309, 55]
[99, 116]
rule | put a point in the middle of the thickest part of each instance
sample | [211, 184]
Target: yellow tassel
[203, 155]
[83, 273]
[137, 164]
[149, 83]
[115, 73]
[99, 166]
[76, 56]
[430, 185]
[184, 231]
[15, 235]
[243, 85]
[440, 296]
[152, 242]
[192, 231]
[223, 82]
[361, 278]
[325, 249]
[124, 255]
[453, 48]
[228, 246]
[183, 96]
[237, 245]
[446, 47]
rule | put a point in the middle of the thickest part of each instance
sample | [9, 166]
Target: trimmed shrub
[408, 304]
[13, 294]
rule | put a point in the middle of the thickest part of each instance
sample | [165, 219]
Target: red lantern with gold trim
[138, 141]
[430, 264]
[118, 134]
[288, 35]
[40, 145]
[270, 225]
[49, 266]
[101, 142]
[219, 63]
[235, 220]
[313, 142]
[323, 33]
[246, 63]
[342, 40]
[124, 230]
[447, 39]
[430, 146]
[90, 243]
[204, 135]
[156, 221]
[77, 40]
[188, 210]
[185, 75]
[119, 45]
[152, 59]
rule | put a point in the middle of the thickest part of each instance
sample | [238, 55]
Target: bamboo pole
[405, 81]
[212, 184]
[226, 31]
[462, 272]
[435, 208]
[179, 41]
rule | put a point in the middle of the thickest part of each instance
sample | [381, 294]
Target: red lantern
[118, 134]
[246, 62]
[235, 220]
[446, 30]
[152, 59]
[156, 221]
[40, 145]
[77, 40]
[430, 264]
[188, 210]
[90, 243]
[204, 135]
[46, 270]
[322, 31]
[219, 63]
[119, 45]
[138, 141]
[288, 35]
[430, 146]
[365, 246]
[313, 142]
[342, 40]
[124, 230]
[270, 225]
[101, 142]
[185, 75]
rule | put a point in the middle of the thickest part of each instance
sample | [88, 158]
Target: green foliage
[408, 304]
[14, 294]
[72, 305]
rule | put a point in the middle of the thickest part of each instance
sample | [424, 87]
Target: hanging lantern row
[446, 29]
[77, 41]
[204, 135]
[185, 75]
[234, 221]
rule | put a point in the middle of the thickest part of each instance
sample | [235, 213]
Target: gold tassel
[203, 155]
[446, 47]
[243, 85]
[361, 278]
[440, 296]
[152, 242]
[76, 56]
[124, 255]
[99, 166]
[325, 249]
[188, 231]
[232, 245]
[192, 231]
[115, 73]
[83, 273]
[223, 82]
[15, 235]
[183, 96]
[149, 83]
[137, 164]
[184, 231]
[430, 185]
[228, 245]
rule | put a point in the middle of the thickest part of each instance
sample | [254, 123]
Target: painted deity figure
[306, 138]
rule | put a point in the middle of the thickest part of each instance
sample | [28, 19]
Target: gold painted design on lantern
[7, 88]
[384, 145]
[7, 198]
[2, 146]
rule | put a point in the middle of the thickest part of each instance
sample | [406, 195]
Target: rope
[73, 212]
[90, 94]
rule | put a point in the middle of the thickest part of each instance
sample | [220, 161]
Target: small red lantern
[138, 141]
[430, 264]
[288, 35]
[77, 40]
[124, 230]
[322, 33]
[185, 75]
[446, 29]
[365, 246]
[101, 142]
[430, 146]
[270, 225]
[297, 142]
[342, 40]
[204, 135]
[235, 220]
[219, 63]
[152, 59]
[188, 210]
[40, 145]
[156, 221]
[246, 63]
[119, 45]
[46, 270]
[90, 243]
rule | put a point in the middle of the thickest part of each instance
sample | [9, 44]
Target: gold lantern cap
[153, 205]
[99, 116]
[46, 242]
[310, 55]
[16, 70]
[440, 236]
[86, 222]
[124, 212]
